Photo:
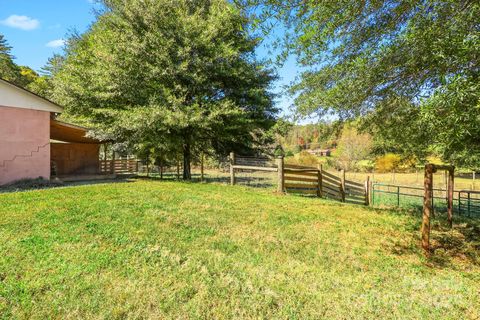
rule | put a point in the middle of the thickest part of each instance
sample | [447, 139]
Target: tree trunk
[187, 174]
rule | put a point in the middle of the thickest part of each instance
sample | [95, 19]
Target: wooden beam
[243, 167]
[427, 207]
[320, 181]
[281, 175]
[367, 191]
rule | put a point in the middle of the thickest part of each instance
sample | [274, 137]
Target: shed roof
[14, 96]
[67, 132]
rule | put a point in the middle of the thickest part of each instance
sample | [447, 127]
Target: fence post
[281, 176]
[427, 207]
[178, 169]
[232, 170]
[398, 196]
[367, 191]
[201, 166]
[450, 187]
[373, 193]
[320, 181]
[459, 204]
[113, 162]
[473, 180]
[468, 203]
[342, 184]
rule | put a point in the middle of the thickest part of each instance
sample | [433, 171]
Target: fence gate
[469, 203]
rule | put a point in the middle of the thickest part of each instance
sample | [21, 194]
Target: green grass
[153, 249]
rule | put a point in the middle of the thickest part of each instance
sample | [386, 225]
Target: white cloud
[21, 22]
[56, 43]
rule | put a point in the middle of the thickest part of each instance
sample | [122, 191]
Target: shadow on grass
[40, 184]
[451, 248]
[255, 182]
[460, 244]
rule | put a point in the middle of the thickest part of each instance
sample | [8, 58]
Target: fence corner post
[342, 184]
[427, 207]
[281, 175]
[320, 181]
[367, 191]
[232, 169]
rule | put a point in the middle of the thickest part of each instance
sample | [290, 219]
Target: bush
[304, 159]
[289, 153]
[365, 166]
[297, 149]
[388, 162]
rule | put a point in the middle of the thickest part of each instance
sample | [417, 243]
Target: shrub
[365, 165]
[303, 158]
[388, 162]
[289, 153]
[297, 149]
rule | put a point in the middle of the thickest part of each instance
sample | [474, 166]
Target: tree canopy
[408, 63]
[180, 76]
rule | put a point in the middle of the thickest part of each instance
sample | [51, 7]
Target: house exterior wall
[24, 144]
[75, 158]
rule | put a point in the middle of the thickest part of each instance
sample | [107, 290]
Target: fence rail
[303, 179]
[119, 166]
[467, 201]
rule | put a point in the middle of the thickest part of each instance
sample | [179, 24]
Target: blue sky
[35, 29]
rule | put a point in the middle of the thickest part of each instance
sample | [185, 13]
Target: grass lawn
[153, 249]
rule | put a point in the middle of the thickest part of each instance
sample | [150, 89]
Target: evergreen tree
[8, 69]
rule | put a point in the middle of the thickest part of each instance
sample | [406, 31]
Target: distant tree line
[409, 70]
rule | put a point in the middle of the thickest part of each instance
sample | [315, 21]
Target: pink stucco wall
[24, 144]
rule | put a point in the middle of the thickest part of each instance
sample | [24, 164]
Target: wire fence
[466, 202]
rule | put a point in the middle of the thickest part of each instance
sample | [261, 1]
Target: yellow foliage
[303, 158]
[388, 162]
[435, 160]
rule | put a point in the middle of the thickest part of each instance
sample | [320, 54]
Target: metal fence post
[373, 194]
[459, 203]
[398, 196]
[468, 204]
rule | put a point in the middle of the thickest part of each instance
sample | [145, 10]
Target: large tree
[387, 59]
[183, 71]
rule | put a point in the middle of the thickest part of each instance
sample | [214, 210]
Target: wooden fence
[119, 166]
[304, 180]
